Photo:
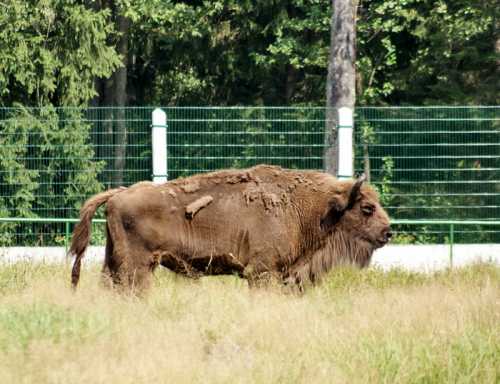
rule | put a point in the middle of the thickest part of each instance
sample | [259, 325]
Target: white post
[159, 142]
[345, 148]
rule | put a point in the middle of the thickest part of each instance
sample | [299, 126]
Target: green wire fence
[428, 163]
[440, 163]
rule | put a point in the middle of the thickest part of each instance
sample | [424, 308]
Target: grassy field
[358, 327]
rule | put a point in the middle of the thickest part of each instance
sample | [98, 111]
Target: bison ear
[341, 203]
[334, 211]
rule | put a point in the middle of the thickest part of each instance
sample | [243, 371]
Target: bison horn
[355, 190]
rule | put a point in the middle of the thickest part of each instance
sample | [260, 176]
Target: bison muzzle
[262, 221]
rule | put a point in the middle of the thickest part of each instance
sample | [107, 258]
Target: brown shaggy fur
[265, 220]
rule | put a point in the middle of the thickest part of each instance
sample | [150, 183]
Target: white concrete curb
[423, 258]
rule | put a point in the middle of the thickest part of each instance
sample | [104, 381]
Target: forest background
[234, 52]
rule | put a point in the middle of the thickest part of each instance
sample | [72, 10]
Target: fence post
[159, 144]
[345, 148]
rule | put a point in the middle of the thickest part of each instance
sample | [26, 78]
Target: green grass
[356, 327]
[25, 324]
[346, 279]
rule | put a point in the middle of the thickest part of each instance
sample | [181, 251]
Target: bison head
[355, 213]
[355, 224]
[365, 216]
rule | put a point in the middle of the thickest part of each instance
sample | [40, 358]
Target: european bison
[292, 225]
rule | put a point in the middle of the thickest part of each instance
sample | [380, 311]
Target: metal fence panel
[434, 163]
[206, 139]
[52, 159]
[427, 162]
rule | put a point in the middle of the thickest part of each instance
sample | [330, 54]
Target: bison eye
[368, 210]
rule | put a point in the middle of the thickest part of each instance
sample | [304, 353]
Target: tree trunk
[120, 91]
[341, 80]
[291, 82]
[98, 82]
[108, 101]
[113, 96]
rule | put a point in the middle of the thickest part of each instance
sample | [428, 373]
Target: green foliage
[242, 52]
[455, 59]
[386, 178]
[51, 50]
[276, 52]
[46, 164]
[230, 52]
[428, 51]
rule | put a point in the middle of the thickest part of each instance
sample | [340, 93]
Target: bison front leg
[298, 277]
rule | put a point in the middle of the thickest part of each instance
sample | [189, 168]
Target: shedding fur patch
[196, 205]
[251, 194]
[239, 178]
[270, 201]
[190, 187]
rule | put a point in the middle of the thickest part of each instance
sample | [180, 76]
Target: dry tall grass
[357, 327]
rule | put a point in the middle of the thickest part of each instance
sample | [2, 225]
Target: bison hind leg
[113, 268]
[128, 270]
[107, 268]
[114, 271]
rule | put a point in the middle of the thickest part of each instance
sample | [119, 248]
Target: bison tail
[81, 233]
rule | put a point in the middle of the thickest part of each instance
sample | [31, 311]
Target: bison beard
[262, 221]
